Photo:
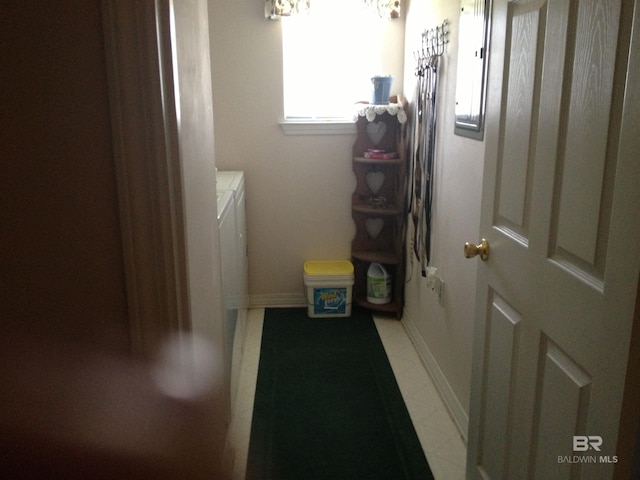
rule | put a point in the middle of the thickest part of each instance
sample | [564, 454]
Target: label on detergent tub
[330, 300]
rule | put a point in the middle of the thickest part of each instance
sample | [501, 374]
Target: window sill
[310, 127]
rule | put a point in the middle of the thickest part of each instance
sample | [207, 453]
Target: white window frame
[336, 23]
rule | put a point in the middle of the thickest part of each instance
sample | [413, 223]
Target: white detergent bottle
[378, 284]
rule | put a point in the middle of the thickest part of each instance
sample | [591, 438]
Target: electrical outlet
[431, 278]
[435, 283]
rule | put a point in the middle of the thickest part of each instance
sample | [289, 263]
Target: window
[329, 57]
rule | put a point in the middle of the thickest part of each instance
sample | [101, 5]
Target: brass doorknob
[471, 250]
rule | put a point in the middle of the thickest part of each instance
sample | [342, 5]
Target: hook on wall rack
[432, 46]
[422, 161]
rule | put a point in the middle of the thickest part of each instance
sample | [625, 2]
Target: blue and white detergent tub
[329, 285]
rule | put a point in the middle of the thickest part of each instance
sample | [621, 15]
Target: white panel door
[561, 213]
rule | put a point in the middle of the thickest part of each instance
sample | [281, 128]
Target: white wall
[298, 187]
[443, 333]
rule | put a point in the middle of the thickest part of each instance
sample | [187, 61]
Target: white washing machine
[228, 251]
[233, 239]
[234, 181]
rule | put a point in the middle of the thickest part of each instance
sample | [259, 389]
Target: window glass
[329, 57]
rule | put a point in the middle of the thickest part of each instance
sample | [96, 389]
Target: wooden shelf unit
[380, 215]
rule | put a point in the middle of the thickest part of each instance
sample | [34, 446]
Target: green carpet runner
[327, 405]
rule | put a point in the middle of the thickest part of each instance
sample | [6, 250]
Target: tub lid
[328, 267]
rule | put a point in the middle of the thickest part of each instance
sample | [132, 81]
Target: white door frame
[148, 171]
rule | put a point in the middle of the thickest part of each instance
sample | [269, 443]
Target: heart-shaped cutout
[373, 226]
[375, 131]
[374, 180]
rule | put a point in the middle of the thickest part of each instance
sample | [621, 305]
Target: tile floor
[440, 439]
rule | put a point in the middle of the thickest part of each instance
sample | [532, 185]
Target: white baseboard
[278, 300]
[450, 400]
